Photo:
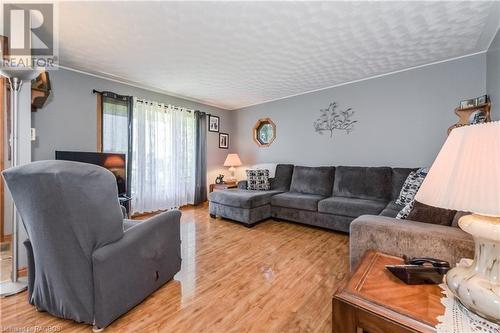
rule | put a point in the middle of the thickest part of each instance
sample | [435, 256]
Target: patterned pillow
[411, 186]
[403, 214]
[258, 180]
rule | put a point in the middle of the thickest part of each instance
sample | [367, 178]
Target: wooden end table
[373, 300]
[223, 186]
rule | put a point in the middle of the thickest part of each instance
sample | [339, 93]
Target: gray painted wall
[493, 75]
[402, 118]
[69, 121]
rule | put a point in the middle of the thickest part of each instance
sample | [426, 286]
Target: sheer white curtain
[163, 156]
[114, 125]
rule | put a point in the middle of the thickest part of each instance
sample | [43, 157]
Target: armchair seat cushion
[242, 198]
[297, 200]
[351, 207]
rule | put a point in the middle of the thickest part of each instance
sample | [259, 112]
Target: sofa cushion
[363, 182]
[399, 176]
[242, 198]
[352, 207]
[392, 209]
[430, 214]
[313, 180]
[258, 180]
[297, 200]
[282, 177]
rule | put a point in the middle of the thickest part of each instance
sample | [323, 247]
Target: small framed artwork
[468, 103]
[213, 123]
[481, 100]
[223, 140]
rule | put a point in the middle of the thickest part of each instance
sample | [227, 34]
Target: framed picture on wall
[223, 140]
[213, 123]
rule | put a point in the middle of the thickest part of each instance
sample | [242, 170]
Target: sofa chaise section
[249, 206]
[245, 206]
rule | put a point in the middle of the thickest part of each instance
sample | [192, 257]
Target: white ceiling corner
[234, 54]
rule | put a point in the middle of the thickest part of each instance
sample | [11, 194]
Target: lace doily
[457, 319]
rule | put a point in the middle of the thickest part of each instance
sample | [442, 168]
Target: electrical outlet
[33, 134]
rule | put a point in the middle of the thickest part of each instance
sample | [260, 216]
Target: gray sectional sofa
[358, 200]
[328, 197]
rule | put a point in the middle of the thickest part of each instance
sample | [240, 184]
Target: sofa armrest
[243, 184]
[128, 270]
[404, 237]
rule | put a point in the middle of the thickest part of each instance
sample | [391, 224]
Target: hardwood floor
[274, 277]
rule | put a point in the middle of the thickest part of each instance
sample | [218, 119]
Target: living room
[251, 166]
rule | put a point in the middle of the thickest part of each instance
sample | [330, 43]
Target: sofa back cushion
[282, 177]
[399, 176]
[363, 182]
[313, 180]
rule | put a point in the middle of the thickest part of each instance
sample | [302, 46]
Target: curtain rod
[111, 94]
[142, 100]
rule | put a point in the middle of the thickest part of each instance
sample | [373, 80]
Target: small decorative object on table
[420, 270]
[219, 179]
[466, 177]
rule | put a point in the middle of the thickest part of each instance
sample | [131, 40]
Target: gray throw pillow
[258, 180]
[411, 186]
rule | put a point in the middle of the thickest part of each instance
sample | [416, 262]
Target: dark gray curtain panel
[200, 193]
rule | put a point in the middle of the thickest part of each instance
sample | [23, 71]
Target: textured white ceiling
[234, 54]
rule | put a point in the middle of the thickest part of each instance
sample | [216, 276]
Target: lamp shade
[114, 162]
[466, 173]
[232, 160]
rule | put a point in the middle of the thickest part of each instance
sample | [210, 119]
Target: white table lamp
[232, 161]
[466, 176]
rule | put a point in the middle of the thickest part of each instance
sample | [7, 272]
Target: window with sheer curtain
[163, 156]
[114, 125]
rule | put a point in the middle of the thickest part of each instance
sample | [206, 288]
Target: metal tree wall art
[331, 119]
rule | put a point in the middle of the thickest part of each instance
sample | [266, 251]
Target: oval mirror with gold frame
[264, 132]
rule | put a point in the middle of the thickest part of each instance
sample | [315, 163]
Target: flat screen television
[116, 163]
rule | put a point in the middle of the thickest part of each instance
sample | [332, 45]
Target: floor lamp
[16, 79]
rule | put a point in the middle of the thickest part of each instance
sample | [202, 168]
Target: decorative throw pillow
[429, 214]
[403, 214]
[258, 180]
[411, 186]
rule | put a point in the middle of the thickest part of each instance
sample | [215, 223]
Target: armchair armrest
[404, 237]
[128, 270]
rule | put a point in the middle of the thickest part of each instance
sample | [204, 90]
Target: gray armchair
[84, 261]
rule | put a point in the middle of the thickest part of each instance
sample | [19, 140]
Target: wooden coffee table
[375, 301]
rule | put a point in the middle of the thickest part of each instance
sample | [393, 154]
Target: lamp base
[478, 286]
[9, 288]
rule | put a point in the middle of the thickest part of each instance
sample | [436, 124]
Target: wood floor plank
[274, 277]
